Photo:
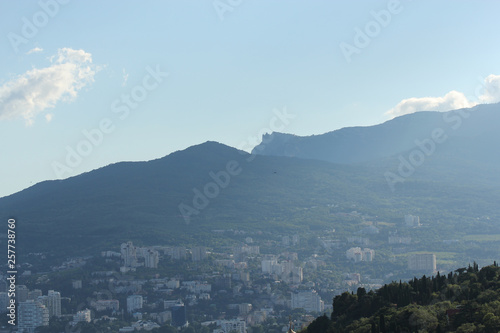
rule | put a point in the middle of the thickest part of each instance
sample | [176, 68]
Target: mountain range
[441, 165]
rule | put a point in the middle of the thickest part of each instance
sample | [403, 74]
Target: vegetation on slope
[467, 300]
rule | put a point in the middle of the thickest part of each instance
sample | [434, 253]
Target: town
[250, 281]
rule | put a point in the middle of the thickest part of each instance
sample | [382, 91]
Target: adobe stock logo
[221, 7]
[31, 27]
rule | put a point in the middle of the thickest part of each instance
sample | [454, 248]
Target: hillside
[140, 200]
[182, 197]
[462, 301]
[462, 132]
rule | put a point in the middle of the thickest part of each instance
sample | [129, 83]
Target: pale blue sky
[225, 76]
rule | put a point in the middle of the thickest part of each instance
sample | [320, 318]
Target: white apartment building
[82, 316]
[357, 254]
[308, 300]
[422, 262]
[151, 258]
[31, 315]
[134, 303]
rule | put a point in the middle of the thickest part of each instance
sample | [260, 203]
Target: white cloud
[39, 89]
[487, 92]
[451, 101]
[35, 50]
[490, 89]
[48, 117]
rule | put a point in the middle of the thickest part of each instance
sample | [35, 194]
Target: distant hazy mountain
[473, 132]
[141, 200]
[213, 186]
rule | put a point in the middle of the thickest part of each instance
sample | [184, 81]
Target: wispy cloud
[488, 92]
[48, 117]
[42, 88]
[35, 50]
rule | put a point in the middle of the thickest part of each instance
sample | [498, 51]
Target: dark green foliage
[464, 301]
[320, 324]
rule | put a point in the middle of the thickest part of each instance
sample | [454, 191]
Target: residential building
[82, 316]
[179, 317]
[134, 303]
[151, 258]
[297, 275]
[412, 221]
[129, 254]
[31, 315]
[308, 300]
[52, 302]
[227, 326]
[21, 293]
[422, 262]
[77, 284]
[106, 304]
[199, 253]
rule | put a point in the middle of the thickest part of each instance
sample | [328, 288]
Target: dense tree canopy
[467, 300]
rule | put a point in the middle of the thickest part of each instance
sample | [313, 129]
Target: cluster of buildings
[244, 285]
[131, 254]
[357, 254]
[33, 308]
[231, 279]
[285, 271]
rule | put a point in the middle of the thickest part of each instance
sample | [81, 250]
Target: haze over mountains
[291, 185]
[478, 126]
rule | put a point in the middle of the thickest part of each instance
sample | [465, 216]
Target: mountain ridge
[364, 144]
[141, 201]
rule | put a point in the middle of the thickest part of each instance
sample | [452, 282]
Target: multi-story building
[106, 304]
[151, 258]
[31, 315]
[129, 254]
[297, 275]
[77, 284]
[179, 253]
[22, 293]
[34, 294]
[308, 300]
[134, 303]
[357, 254]
[368, 254]
[173, 284]
[422, 262]
[199, 253]
[82, 316]
[244, 309]
[179, 317]
[267, 265]
[54, 307]
[412, 221]
[52, 302]
[227, 326]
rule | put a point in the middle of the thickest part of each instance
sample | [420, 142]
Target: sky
[84, 84]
